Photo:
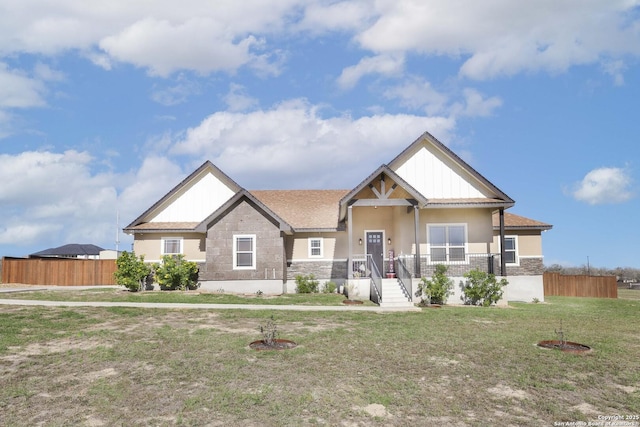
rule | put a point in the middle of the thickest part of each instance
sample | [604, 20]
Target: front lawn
[464, 366]
[195, 297]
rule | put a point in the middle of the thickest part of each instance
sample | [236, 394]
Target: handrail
[487, 262]
[404, 278]
[376, 280]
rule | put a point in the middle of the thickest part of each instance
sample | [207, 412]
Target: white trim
[253, 251]
[181, 245]
[517, 256]
[318, 260]
[309, 247]
[447, 245]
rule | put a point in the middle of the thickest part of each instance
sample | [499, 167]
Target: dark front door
[375, 249]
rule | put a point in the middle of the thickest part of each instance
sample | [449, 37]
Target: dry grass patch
[453, 366]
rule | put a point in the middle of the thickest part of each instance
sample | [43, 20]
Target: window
[171, 245]
[244, 252]
[447, 242]
[315, 248]
[510, 250]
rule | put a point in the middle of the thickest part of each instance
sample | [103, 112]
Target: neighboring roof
[304, 210]
[426, 137]
[71, 249]
[206, 165]
[517, 222]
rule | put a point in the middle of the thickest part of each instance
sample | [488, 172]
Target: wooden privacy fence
[580, 286]
[58, 271]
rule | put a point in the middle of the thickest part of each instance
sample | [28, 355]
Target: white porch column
[350, 255]
[416, 220]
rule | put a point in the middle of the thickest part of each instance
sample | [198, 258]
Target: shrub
[131, 271]
[329, 287]
[306, 284]
[176, 273]
[438, 289]
[481, 288]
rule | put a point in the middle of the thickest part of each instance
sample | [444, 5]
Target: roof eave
[461, 205]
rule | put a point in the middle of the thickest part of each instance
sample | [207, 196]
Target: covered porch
[386, 222]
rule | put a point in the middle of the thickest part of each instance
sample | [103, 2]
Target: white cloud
[417, 93]
[17, 90]
[336, 16]
[386, 65]
[277, 148]
[476, 105]
[604, 186]
[505, 37]
[44, 193]
[179, 93]
[616, 70]
[238, 100]
[50, 198]
[496, 39]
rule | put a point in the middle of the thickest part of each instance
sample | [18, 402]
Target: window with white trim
[171, 245]
[447, 242]
[315, 247]
[510, 250]
[244, 252]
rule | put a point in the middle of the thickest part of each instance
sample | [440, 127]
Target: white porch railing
[486, 262]
[404, 277]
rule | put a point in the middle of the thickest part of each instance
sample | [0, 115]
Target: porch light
[389, 241]
[360, 241]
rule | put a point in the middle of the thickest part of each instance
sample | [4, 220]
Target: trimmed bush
[438, 289]
[482, 288]
[329, 288]
[176, 273]
[306, 284]
[132, 272]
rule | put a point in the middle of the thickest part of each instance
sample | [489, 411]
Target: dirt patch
[375, 410]
[504, 391]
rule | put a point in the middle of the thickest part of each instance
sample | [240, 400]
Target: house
[71, 250]
[425, 207]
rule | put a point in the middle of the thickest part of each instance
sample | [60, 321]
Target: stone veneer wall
[330, 270]
[244, 218]
[527, 267]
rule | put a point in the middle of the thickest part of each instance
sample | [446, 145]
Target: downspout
[503, 266]
[416, 220]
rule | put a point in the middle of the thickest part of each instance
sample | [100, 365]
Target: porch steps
[392, 295]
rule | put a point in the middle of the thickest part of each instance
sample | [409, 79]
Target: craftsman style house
[426, 207]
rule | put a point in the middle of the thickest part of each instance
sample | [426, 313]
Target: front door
[376, 250]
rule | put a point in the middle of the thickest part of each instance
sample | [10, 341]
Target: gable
[195, 201]
[437, 173]
[191, 201]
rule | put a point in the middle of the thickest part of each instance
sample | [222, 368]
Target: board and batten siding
[196, 202]
[435, 178]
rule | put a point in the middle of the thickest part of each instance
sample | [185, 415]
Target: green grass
[450, 366]
[195, 297]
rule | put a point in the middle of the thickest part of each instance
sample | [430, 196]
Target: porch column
[503, 265]
[416, 220]
[350, 255]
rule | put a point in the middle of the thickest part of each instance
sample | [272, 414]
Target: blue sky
[105, 106]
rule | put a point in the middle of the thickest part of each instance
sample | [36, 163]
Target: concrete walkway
[42, 303]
